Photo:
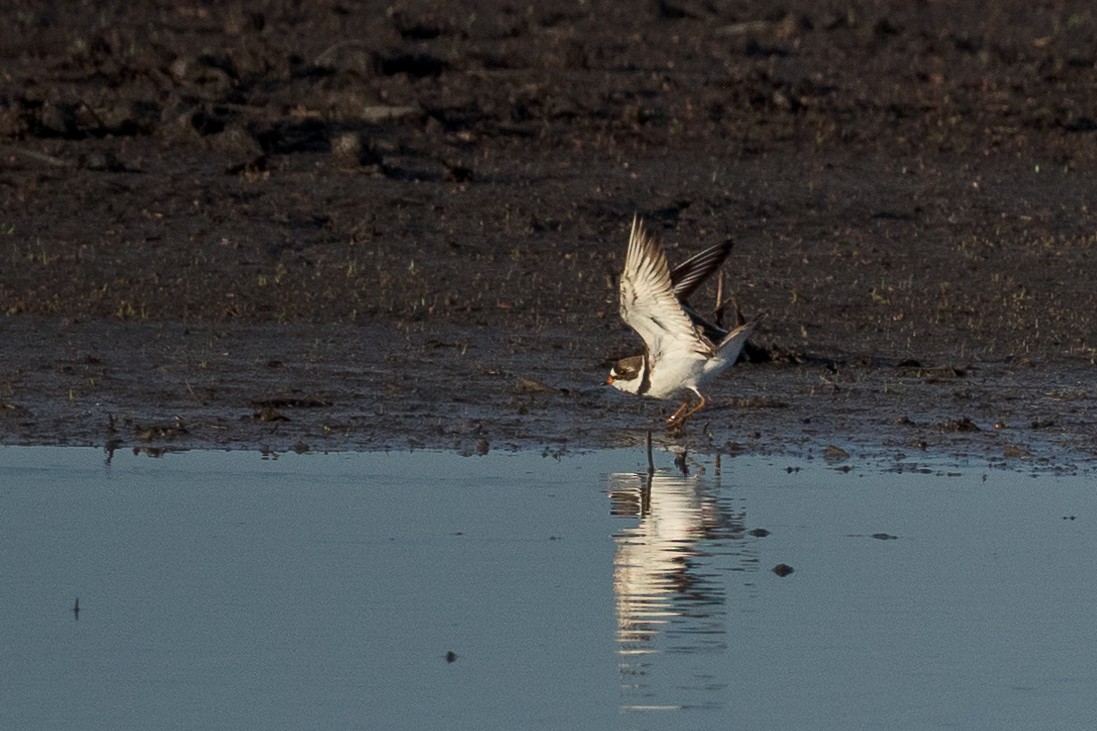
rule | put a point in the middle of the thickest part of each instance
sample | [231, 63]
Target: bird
[682, 350]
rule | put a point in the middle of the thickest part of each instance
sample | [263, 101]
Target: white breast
[673, 375]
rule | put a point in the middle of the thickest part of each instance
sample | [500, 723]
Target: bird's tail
[728, 349]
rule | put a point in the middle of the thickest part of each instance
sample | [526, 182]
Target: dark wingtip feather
[690, 274]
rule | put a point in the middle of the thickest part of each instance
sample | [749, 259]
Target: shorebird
[681, 349]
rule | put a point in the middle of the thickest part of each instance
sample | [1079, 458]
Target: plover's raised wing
[648, 303]
[688, 276]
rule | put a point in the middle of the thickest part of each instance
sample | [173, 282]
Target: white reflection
[669, 592]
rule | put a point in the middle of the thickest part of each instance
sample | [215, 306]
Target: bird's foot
[679, 417]
[676, 417]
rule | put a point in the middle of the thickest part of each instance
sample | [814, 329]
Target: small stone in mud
[347, 146]
[529, 385]
[159, 431]
[483, 447]
[783, 569]
[758, 533]
[301, 447]
[103, 162]
[1012, 450]
[834, 454]
[960, 425]
[269, 413]
[451, 656]
[235, 145]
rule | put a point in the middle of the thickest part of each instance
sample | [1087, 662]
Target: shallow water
[227, 590]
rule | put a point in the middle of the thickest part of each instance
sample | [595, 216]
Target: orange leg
[673, 418]
[700, 405]
[684, 412]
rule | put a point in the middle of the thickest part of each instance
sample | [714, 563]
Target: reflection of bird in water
[653, 580]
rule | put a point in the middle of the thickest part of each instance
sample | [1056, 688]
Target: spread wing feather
[648, 302]
[688, 276]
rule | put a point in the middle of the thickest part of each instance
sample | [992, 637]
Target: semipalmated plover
[681, 349]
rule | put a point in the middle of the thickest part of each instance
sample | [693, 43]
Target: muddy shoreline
[154, 388]
[393, 226]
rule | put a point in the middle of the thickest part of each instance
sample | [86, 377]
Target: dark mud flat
[386, 225]
[157, 387]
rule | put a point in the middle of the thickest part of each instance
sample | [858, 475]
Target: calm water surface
[227, 590]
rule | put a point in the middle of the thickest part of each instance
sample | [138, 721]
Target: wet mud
[336, 226]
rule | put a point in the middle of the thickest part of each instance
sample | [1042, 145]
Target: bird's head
[625, 374]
